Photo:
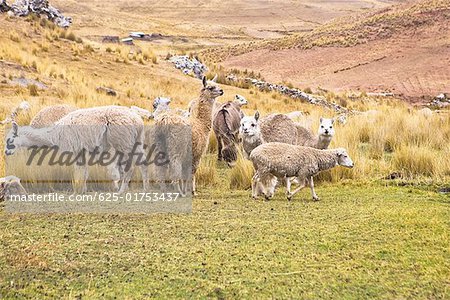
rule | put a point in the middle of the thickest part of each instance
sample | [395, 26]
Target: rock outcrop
[22, 8]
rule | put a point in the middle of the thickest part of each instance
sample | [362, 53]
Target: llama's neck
[326, 159]
[37, 137]
[323, 142]
[203, 112]
[251, 142]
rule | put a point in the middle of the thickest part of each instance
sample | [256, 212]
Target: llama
[226, 124]
[114, 129]
[200, 122]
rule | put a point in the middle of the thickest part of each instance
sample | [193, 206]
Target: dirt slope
[404, 49]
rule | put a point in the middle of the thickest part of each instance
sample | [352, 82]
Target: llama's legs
[219, 148]
[193, 185]
[114, 173]
[288, 187]
[145, 179]
[80, 184]
[255, 183]
[126, 180]
[301, 186]
[271, 184]
[313, 192]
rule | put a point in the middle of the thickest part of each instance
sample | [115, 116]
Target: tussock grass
[207, 171]
[240, 176]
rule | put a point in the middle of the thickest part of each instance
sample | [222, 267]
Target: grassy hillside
[402, 19]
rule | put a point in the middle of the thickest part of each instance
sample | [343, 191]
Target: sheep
[226, 123]
[50, 115]
[23, 106]
[10, 185]
[200, 122]
[114, 129]
[280, 160]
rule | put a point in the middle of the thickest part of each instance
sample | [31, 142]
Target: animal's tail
[23, 106]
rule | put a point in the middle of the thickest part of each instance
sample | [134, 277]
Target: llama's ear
[204, 81]
[15, 128]
[256, 115]
[215, 78]
[332, 120]
[321, 120]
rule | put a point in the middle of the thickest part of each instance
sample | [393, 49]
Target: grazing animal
[322, 140]
[114, 129]
[280, 128]
[10, 185]
[200, 121]
[143, 113]
[250, 133]
[238, 99]
[280, 160]
[295, 115]
[50, 115]
[23, 106]
[161, 104]
[226, 124]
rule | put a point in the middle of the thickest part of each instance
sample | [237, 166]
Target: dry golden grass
[397, 139]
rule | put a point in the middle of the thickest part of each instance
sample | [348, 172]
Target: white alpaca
[113, 129]
[280, 160]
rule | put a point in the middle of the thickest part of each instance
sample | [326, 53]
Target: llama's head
[249, 125]
[343, 158]
[13, 140]
[161, 102]
[326, 128]
[229, 154]
[241, 100]
[210, 90]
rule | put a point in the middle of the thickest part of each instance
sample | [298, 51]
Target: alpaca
[161, 104]
[280, 160]
[200, 122]
[114, 129]
[238, 99]
[10, 185]
[50, 115]
[280, 128]
[226, 123]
